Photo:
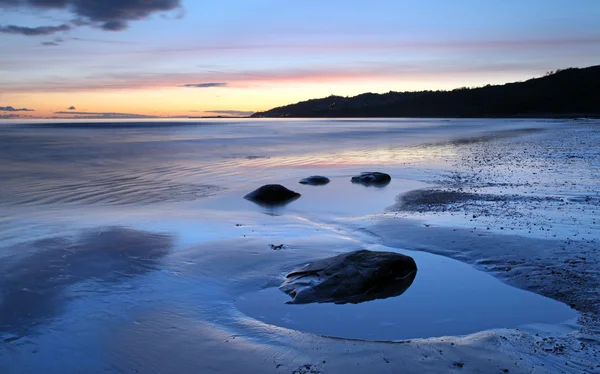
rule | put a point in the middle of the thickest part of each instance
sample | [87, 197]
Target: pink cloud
[256, 78]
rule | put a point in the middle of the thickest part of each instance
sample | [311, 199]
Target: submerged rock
[315, 180]
[272, 194]
[353, 277]
[372, 179]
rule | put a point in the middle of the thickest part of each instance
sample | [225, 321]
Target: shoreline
[574, 117]
[95, 121]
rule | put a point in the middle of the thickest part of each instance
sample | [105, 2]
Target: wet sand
[104, 286]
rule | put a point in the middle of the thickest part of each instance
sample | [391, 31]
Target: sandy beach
[132, 250]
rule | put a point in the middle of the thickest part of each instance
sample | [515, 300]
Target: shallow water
[447, 298]
[111, 234]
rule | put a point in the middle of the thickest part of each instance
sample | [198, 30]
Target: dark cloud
[12, 109]
[231, 112]
[72, 108]
[33, 31]
[111, 15]
[205, 85]
[81, 22]
[114, 25]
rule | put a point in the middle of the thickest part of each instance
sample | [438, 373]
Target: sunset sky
[117, 58]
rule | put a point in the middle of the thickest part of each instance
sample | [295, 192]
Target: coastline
[571, 116]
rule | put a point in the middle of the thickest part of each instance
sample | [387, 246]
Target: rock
[272, 194]
[372, 179]
[353, 277]
[315, 180]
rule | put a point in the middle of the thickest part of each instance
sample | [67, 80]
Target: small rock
[315, 180]
[272, 194]
[372, 179]
[353, 277]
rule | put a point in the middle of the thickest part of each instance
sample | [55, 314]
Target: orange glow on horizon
[166, 98]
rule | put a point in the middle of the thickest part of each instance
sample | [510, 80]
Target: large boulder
[315, 180]
[372, 179]
[353, 277]
[272, 194]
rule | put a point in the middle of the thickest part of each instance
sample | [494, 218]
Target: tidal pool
[447, 298]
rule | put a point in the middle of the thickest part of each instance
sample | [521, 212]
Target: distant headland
[567, 93]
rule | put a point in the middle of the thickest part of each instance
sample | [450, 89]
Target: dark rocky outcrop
[315, 180]
[272, 194]
[372, 179]
[353, 277]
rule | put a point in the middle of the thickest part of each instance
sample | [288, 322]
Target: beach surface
[129, 248]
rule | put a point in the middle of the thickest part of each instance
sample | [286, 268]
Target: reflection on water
[33, 287]
[394, 288]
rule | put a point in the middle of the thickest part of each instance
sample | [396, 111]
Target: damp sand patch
[441, 200]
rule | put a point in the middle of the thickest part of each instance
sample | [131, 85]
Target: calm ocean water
[164, 161]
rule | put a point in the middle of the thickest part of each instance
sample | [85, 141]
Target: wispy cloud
[12, 109]
[366, 45]
[204, 85]
[9, 116]
[104, 115]
[53, 43]
[105, 41]
[33, 31]
[236, 113]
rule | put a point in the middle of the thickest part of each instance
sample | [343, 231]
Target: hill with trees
[570, 92]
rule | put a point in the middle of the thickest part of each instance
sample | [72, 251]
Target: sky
[136, 58]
